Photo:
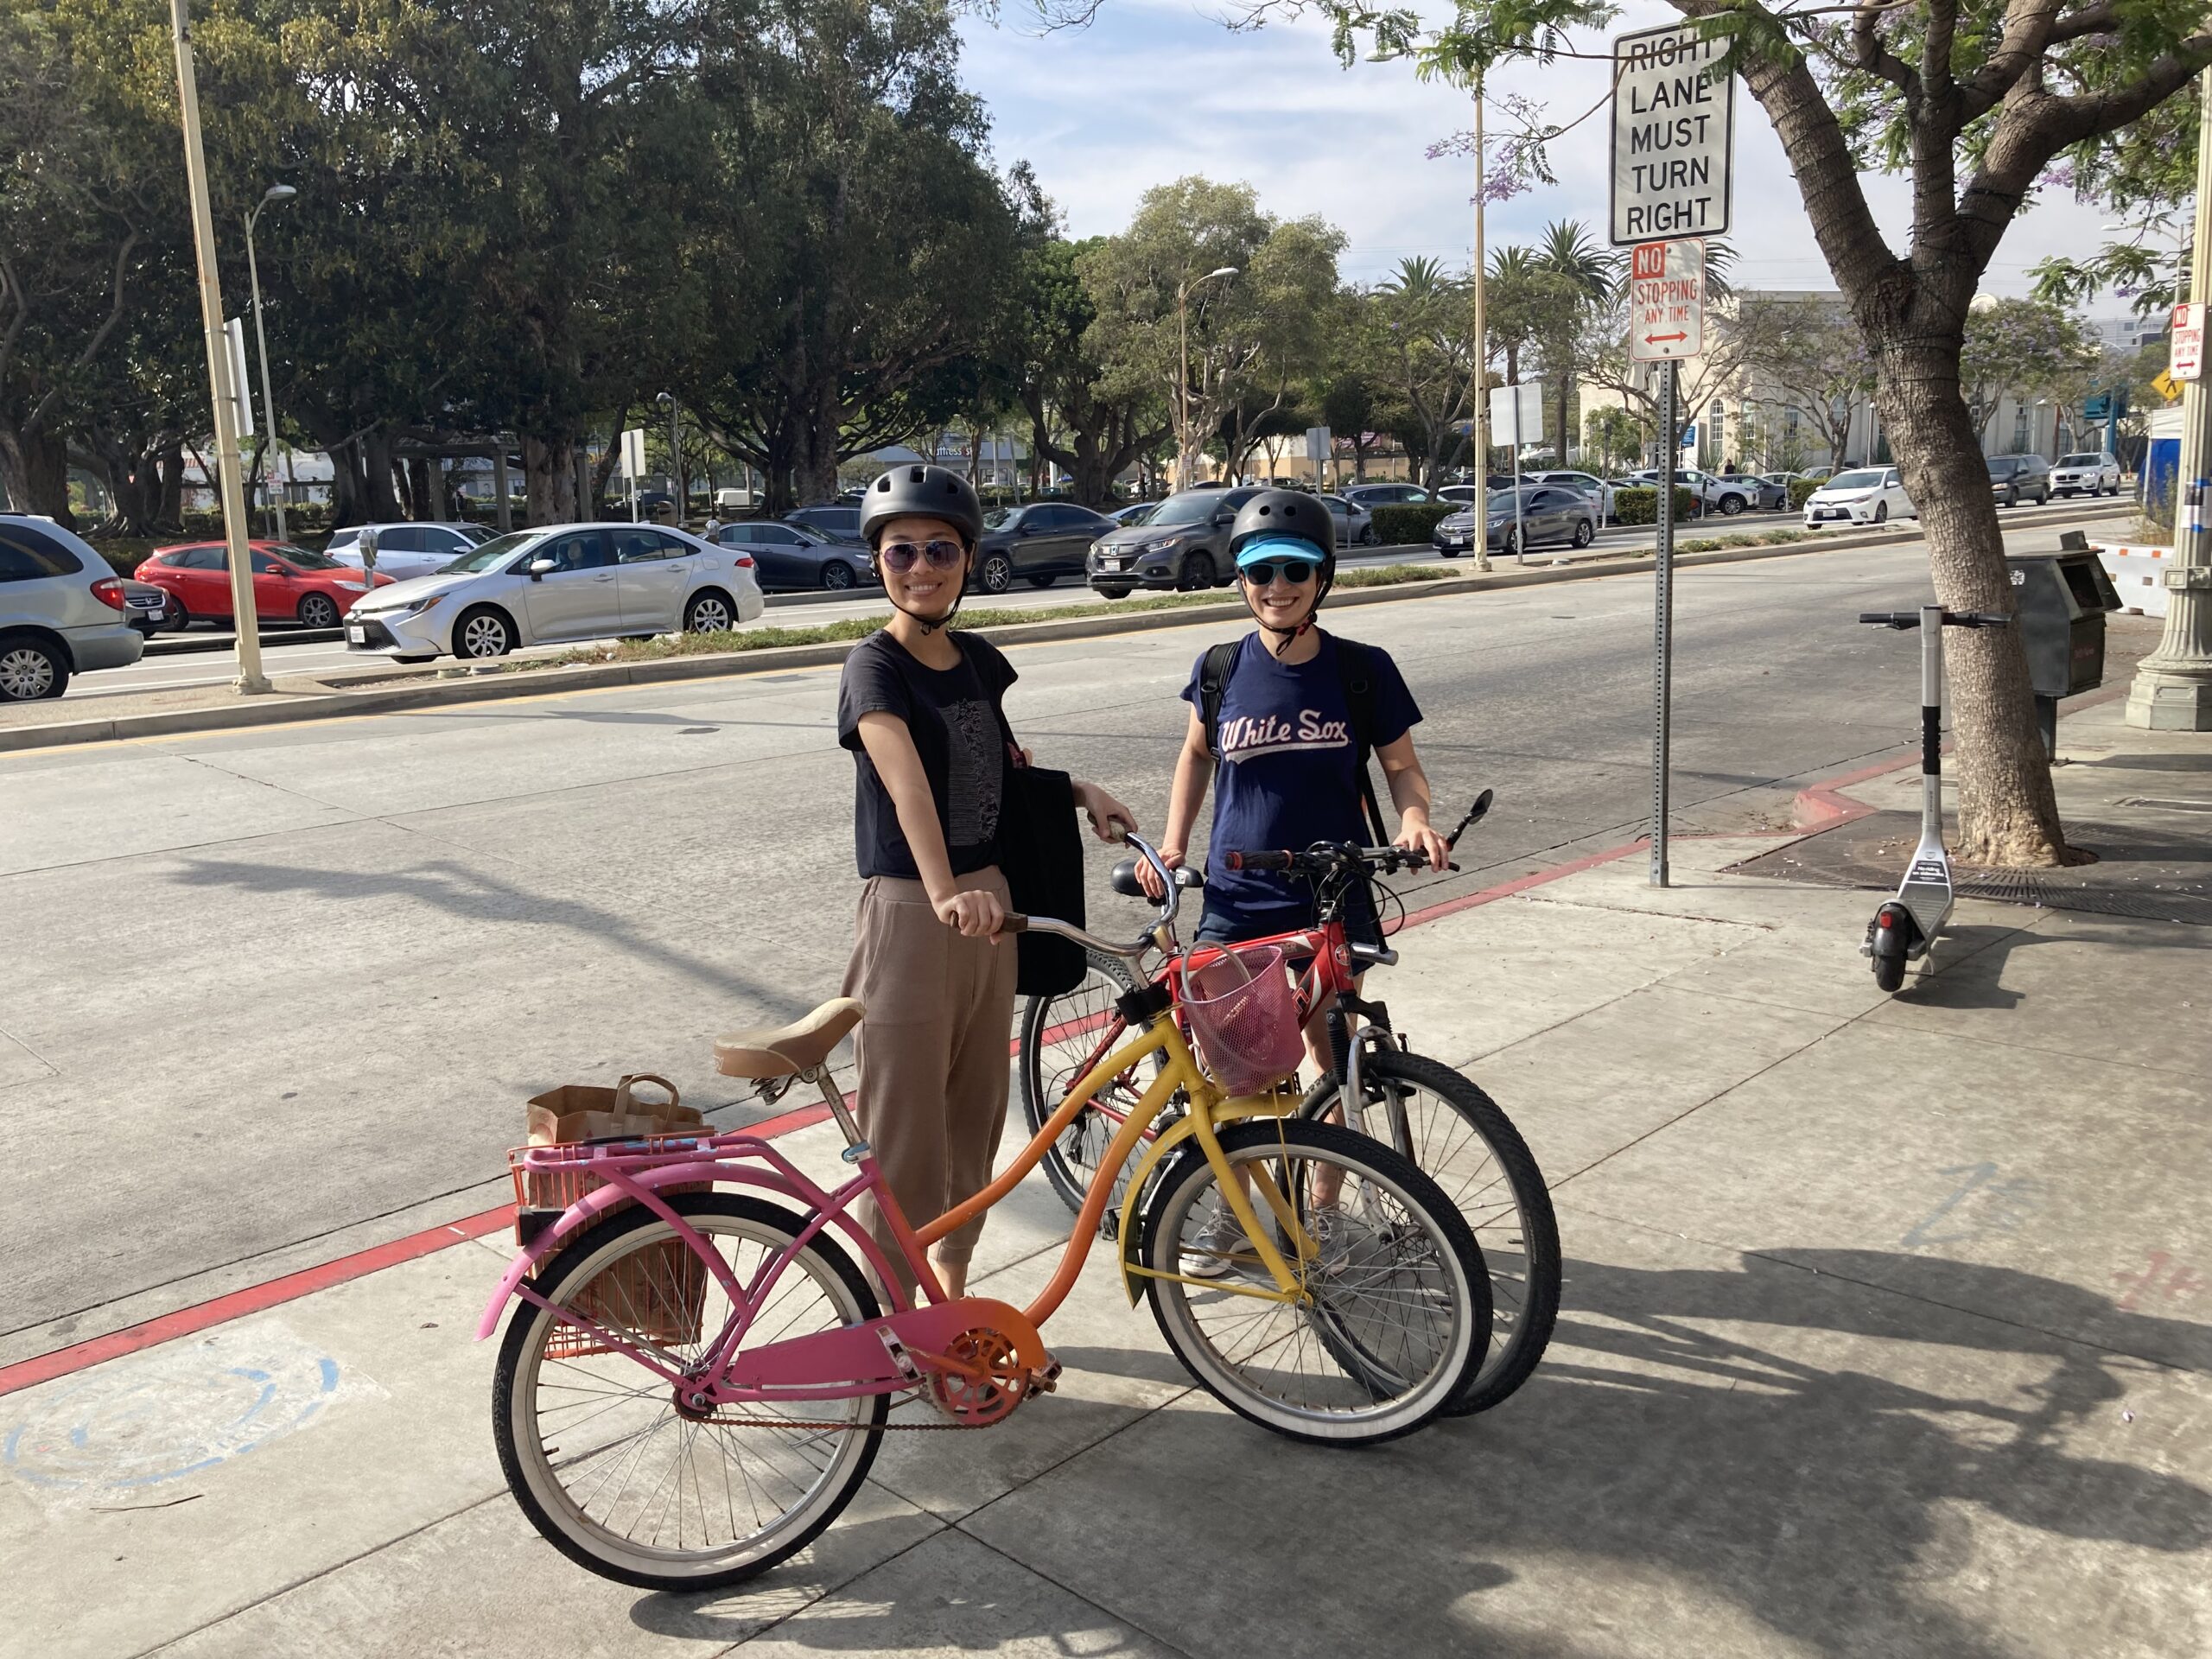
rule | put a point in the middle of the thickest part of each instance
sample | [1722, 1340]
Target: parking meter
[368, 546]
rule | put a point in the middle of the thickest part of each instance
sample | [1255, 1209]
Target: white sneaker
[1208, 1253]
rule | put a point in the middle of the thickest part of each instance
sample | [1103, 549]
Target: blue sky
[1158, 88]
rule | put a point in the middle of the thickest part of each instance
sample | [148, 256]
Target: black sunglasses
[1296, 572]
[900, 556]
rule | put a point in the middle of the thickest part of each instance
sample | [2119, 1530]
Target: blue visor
[1278, 547]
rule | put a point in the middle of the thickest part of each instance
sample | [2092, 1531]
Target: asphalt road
[162, 668]
[280, 993]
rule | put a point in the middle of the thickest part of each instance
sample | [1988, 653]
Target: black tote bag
[1040, 855]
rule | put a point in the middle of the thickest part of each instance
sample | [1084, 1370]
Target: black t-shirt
[954, 717]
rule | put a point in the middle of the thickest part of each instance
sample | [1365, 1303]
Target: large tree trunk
[549, 468]
[35, 467]
[2007, 813]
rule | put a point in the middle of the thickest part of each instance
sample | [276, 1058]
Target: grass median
[859, 627]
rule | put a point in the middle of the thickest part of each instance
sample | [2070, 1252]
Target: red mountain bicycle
[1421, 1108]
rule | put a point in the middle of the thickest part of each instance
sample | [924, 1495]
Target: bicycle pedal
[1046, 1381]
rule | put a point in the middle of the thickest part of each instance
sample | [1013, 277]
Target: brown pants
[932, 1050]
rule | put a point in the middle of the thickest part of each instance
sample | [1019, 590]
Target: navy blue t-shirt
[1288, 773]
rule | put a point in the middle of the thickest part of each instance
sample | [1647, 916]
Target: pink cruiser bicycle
[697, 1370]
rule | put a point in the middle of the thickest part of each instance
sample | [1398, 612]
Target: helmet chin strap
[1284, 638]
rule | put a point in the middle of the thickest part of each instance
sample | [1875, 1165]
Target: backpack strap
[1356, 671]
[1213, 681]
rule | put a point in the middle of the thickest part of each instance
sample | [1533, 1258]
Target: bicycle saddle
[784, 1051]
[1124, 879]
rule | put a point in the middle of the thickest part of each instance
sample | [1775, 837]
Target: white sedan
[560, 583]
[1866, 496]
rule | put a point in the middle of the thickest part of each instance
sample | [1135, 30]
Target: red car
[290, 584]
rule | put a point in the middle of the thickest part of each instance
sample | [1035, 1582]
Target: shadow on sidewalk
[1713, 1447]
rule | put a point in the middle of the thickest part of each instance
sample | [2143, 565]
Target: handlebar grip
[1977, 618]
[1257, 860]
[1891, 619]
[1015, 922]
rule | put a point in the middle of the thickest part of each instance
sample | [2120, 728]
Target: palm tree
[1418, 277]
[1594, 274]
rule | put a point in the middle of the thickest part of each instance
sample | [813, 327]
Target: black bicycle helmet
[1284, 512]
[916, 491]
[1293, 514]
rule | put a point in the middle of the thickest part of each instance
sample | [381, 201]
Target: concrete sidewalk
[1887, 1331]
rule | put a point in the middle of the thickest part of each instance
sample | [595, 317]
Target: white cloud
[1156, 89]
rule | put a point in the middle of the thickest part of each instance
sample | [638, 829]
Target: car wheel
[181, 619]
[709, 611]
[1368, 538]
[1042, 581]
[2115, 488]
[1111, 593]
[1881, 513]
[1584, 532]
[1509, 541]
[2012, 498]
[837, 575]
[995, 573]
[1730, 506]
[30, 670]
[483, 633]
[317, 611]
[1195, 574]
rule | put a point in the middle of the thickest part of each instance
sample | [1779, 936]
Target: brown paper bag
[656, 1294]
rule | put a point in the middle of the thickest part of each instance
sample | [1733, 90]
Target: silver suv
[62, 610]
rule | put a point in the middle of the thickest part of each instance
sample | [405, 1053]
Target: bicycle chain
[887, 1427]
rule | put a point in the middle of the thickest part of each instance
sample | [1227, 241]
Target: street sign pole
[1663, 629]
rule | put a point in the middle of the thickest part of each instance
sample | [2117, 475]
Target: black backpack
[1355, 671]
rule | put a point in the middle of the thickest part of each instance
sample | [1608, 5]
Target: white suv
[62, 610]
[2090, 473]
[404, 550]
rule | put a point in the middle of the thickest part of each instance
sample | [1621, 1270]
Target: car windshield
[999, 518]
[306, 561]
[1190, 507]
[2002, 469]
[1853, 481]
[2080, 460]
[488, 556]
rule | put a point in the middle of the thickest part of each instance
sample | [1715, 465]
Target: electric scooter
[1905, 928]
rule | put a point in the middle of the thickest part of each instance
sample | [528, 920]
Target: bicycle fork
[1348, 1047]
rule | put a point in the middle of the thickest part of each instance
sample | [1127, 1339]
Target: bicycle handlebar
[1170, 899]
[1323, 857]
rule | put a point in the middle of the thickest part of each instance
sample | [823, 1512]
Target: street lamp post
[2172, 690]
[1183, 458]
[274, 194]
[228, 461]
[1482, 363]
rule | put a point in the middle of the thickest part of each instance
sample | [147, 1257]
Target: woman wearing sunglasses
[920, 708]
[1286, 736]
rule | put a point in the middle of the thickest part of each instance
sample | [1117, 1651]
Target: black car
[839, 524]
[786, 558]
[1372, 496]
[1038, 543]
[1182, 545]
[2014, 478]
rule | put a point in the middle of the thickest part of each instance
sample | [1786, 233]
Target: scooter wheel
[1889, 959]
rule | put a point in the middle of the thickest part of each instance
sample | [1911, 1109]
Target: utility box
[2062, 598]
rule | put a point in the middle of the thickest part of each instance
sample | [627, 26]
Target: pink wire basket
[1242, 1011]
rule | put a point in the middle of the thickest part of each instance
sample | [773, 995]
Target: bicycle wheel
[1404, 1275]
[595, 1448]
[1062, 1037]
[1429, 1113]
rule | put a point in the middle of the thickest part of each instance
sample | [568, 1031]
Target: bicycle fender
[1125, 1234]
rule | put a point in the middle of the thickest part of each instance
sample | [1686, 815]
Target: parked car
[562, 582]
[1818, 474]
[788, 558]
[2089, 473]
[838, 523]
[1734, 493]
[1599, 491]
[148, 609]
[1868, 495]
[1184, 545]
[62, 610]
[407, 549]
[1549, 512]
[1039, 543]
[1136, 513]
[1372, 496]
[1464, 494]
[1355, 524]
[290, 584]
[2011, 478]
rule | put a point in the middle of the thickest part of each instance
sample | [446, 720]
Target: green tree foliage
[2023, 349]
[1418, 340]
[1809, 357]
[1094, 422]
